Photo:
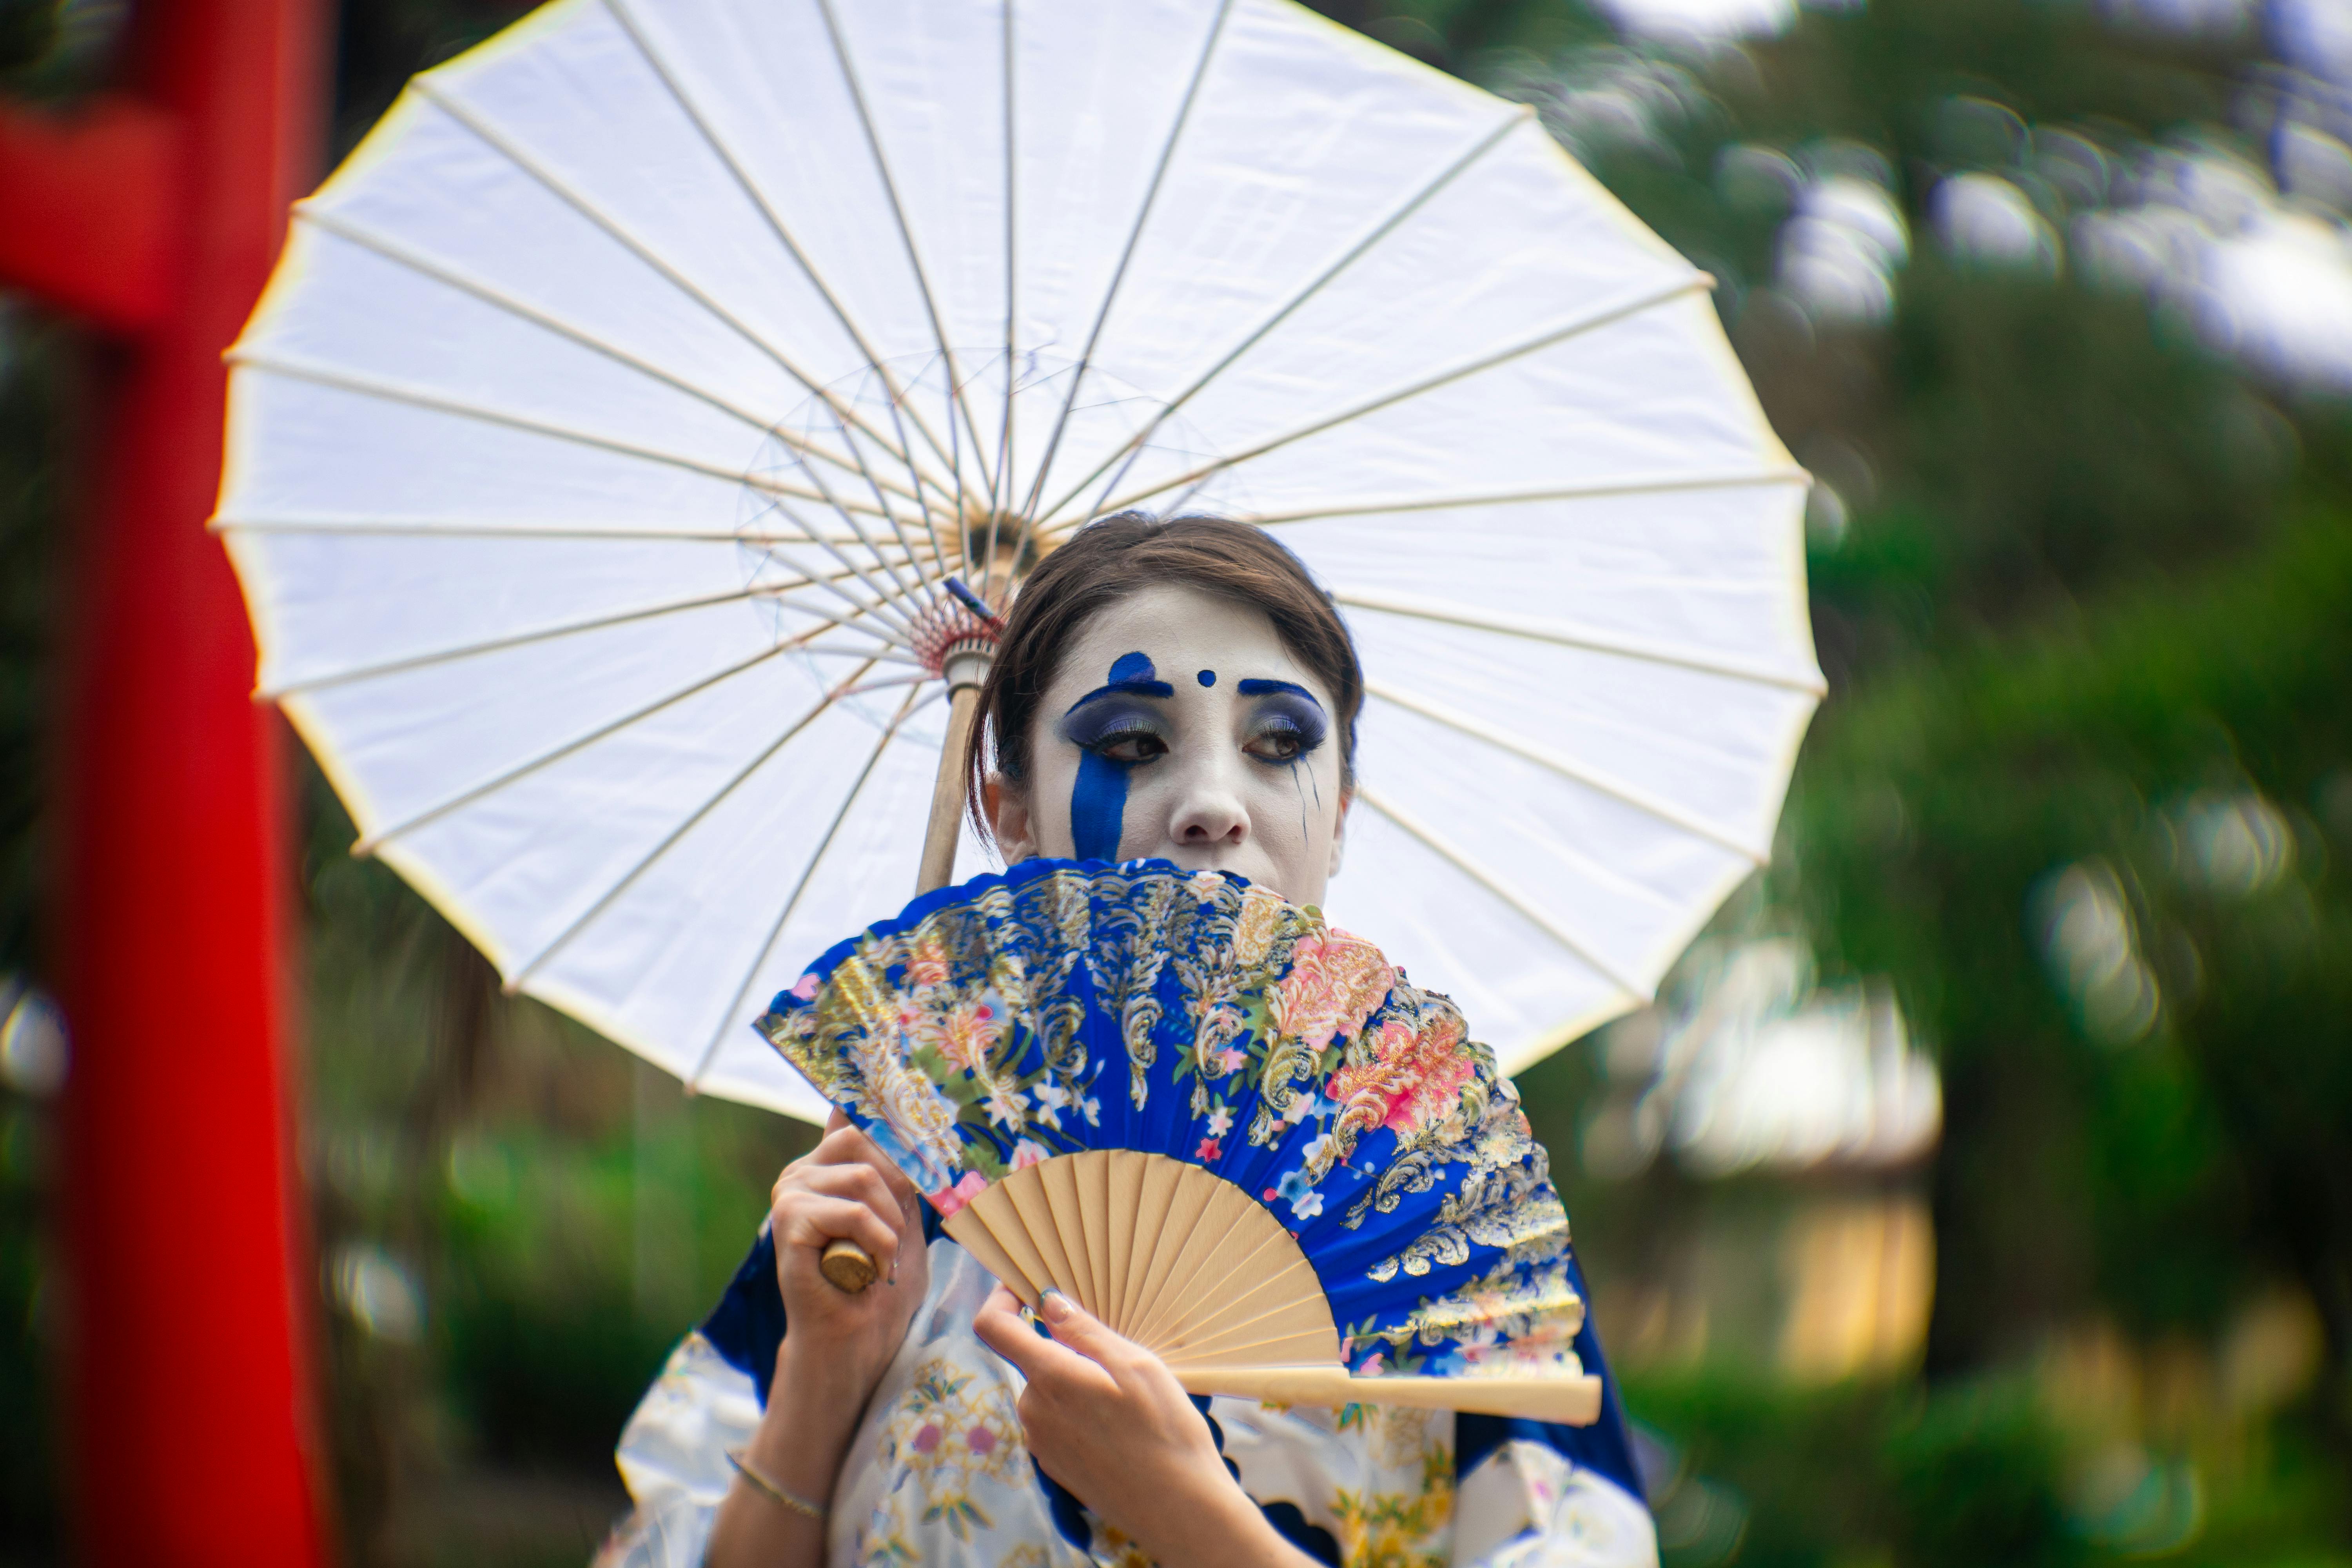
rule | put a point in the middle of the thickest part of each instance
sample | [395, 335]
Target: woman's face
[1179, 727]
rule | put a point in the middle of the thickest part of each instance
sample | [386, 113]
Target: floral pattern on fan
[1063, 1007]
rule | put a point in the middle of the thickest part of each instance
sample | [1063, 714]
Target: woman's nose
[1209, 809]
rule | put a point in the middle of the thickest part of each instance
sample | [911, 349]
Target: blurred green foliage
[2168, 1166]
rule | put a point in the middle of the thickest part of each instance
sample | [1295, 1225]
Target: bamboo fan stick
[1061, 1183]
[1568, 1401]
[1125, 1198]
[1094, 1211]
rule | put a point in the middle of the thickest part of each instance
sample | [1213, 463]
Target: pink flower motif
[1027, 1153]
[805, 988]
[1371, 1366]
[926, 1439]
[982, 1442]
[967, 1034]
[950, 1201]
[1209, 1151]
[1335, 982]
[927, 964]
[1415, 1076]
[1232, 1060]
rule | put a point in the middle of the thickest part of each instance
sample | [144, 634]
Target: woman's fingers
[1074, 1326]
[817, 1220]
[853, 1184]
[1000, 1326]
[861, 1183]
[846, 1145]
[1042, 1362]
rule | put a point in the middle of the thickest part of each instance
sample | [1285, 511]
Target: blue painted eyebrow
[1122, 689]
[1269, 687]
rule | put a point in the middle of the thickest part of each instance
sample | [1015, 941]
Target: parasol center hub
[966, 663]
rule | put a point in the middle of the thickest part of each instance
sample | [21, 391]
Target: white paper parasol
[604, 439]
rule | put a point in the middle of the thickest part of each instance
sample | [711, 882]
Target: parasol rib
[463, 113]
[440, 529]
[1354, 253]
[440, 402]
[1636, 485]
[702, 1064]
[922, 584]
[956, 403]
[889, 683]
[424, 266]
[1545, 757]
[368, 843]
[718, 146]
[1576, 327]
[599, 623]
[1567, 635]
[1127, 255]
[1470, 867]
[391, 391]
[671, 839]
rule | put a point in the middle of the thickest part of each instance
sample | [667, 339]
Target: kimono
[938, 1473]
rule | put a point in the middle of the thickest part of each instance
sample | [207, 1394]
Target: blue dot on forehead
[1131, 667]
[1208, 678]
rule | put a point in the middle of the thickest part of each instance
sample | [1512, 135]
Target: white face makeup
[1179, 727]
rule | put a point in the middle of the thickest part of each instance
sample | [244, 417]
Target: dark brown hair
[1117, 556]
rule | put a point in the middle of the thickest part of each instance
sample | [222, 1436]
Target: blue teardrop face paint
[1121, 710]
[1097, 808]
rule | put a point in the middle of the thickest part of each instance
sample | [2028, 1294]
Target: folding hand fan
[1235, 1133]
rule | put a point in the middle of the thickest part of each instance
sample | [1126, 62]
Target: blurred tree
[2149, 1066]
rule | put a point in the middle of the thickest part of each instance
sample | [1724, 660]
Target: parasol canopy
[603, 449]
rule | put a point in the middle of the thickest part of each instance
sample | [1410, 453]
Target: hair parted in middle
[1115, 557]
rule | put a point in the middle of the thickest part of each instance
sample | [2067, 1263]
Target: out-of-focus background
[1980, 1190]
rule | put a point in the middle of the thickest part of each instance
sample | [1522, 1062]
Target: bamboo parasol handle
[846, 1264]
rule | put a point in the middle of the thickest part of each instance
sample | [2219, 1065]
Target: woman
[1179, 691]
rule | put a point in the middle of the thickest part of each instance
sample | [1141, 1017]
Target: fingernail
[1054, 1305]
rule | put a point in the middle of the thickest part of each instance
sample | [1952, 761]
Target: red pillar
[193, 1437]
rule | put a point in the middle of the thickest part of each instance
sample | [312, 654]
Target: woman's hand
[1109, 1422]
[837, 1346]
[845, 1189]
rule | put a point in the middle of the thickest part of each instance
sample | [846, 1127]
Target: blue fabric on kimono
[1605, 1448]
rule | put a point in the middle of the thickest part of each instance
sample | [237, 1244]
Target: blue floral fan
[1233, 1133]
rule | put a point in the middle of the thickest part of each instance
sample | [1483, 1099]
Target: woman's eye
[1276, 746]
[1285, 729]
[1129, 746]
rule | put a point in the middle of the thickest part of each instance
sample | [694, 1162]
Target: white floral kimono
[938, 1473]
